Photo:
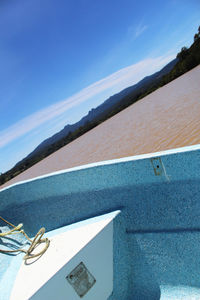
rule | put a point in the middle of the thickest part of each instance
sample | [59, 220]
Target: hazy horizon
[56, 68]
[163, 120]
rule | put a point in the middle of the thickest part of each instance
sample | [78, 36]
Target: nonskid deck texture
[156, 236]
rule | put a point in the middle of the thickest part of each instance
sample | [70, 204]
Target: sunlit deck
[156, 237]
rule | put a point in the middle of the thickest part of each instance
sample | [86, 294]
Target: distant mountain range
[97, 112]
[187, 59]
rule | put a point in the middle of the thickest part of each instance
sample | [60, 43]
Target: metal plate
[81, 279]
[157, 165]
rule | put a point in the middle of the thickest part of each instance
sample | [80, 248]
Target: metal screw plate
[157, 165]
[81, 279]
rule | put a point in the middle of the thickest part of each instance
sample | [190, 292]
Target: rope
[33, 243]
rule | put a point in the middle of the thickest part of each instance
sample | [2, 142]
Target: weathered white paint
[89, 241]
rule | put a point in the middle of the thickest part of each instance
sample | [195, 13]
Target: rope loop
[33, 243]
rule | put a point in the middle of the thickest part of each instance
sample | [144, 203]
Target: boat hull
[157, 235]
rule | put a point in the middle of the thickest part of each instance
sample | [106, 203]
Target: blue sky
[59, 59]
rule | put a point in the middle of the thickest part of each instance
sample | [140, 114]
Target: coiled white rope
[33, 243]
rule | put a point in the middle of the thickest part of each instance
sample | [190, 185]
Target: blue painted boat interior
[156, 236]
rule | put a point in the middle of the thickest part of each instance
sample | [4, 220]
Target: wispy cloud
[135, 31]
[140, 29]
[116, 81]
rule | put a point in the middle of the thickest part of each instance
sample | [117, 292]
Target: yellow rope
[34, 243]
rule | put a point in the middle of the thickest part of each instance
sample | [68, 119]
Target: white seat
[81, 252]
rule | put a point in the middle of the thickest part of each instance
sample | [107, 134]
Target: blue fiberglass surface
[156, 236]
